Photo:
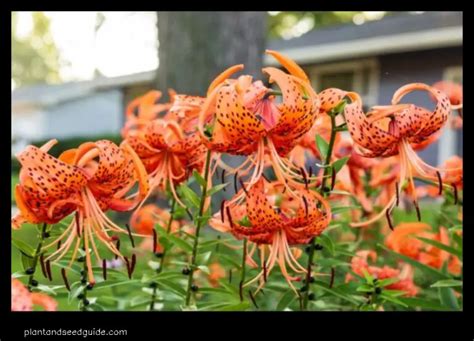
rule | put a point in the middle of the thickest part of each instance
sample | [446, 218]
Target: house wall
[93, 115]
[423, 66]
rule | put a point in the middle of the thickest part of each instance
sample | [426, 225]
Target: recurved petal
[330, 98]
[46, 177]
[435, 120]
[260, 211]
[289, 64]
[364, 133]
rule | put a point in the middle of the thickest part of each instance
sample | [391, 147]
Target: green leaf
[365, 288]
[189, 194]
[110, 284]
[446, 283]
[65, 264]
[335, 292]
[327, 243]
[216, 291]
[26, 262]
[229, 260]
[385, 282]
[455, 228]
[231, 289]
[76, 289]
[171, 238]
[167, 275]
[338, 108]
[174, 287]
[19, 274]
[204, 269]
[245, 222]
[235, 307]
[199, 178]
[422, 303]
[338, 164]
[203, 246]
[332, 262]
[216, 189]
[442, 246]
[447, 298]
[395, 293]
[392, 299]
[322, 145]
[286, 299]
[49, 289]
[23, 247]
[424, 268]
[368, 277]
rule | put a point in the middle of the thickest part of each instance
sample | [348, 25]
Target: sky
[125, 44]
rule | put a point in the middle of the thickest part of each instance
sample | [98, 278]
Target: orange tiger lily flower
[169, 147]
[23, 300]
[88, 180]
[390, 130]
[454, 92]
[216, 273]
[454, 177]
[247, 120]
[404, 240]
[359, 264]
[144, 109]
[277, 221]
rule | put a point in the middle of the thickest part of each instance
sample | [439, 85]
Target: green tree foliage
[35, 58]
[285, 24]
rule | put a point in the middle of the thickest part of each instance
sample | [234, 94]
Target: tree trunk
[194, 47]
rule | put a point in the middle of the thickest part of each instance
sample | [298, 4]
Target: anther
[440, 183]
[155, 240]
[222, 211]
[223, 178]
[104, 269]
[229, 217]
[66, 282]
[130, 235]
[418, 213]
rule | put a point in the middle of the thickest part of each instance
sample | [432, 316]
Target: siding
[94, 115]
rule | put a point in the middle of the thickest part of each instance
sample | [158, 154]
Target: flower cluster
[277, 127]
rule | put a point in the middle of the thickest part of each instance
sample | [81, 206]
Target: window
[450, 142]
[361, 76]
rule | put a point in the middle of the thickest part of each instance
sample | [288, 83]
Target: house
[373, 59]
[77, 109]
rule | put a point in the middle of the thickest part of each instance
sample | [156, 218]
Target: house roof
[47, 94]
[394, 33]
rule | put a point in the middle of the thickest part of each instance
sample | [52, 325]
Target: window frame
[315, 73]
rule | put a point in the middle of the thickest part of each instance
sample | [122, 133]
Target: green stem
[198, 228]
[242, 276]
[162, 260]
[36, 257]
[168, 230]
[327, 161]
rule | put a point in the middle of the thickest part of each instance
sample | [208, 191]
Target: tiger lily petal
[96, 178]
[278, 220]
[390, 130]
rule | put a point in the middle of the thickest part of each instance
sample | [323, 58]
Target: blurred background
[73, 73]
